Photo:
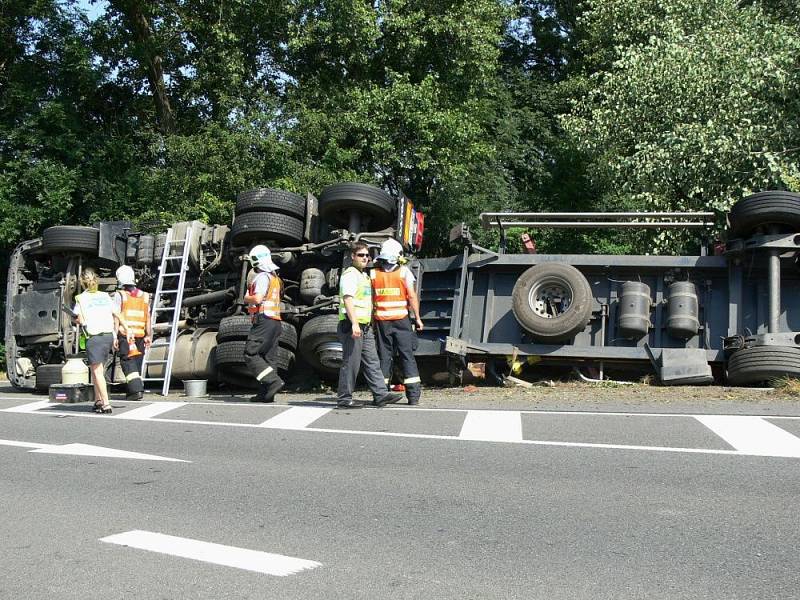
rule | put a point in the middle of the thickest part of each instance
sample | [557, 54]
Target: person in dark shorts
[95, 313]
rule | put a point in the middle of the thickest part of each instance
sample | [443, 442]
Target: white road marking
[508, 435]
[297, 417]
[20, 444]
[492, 426]
[753, 435]
[229, 556]
[31, 406]
[152, 410]
[85, 450]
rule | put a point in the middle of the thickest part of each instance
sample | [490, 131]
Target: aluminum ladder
[167, 300]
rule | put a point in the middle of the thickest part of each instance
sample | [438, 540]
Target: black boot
[272, 388]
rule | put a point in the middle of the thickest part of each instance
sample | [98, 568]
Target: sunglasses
[362, 254]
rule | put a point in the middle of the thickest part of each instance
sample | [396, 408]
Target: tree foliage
[167, 108]
[688, 105]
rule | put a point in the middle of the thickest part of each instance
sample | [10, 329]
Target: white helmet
[261, 258]
[125, 276]
[390, 251]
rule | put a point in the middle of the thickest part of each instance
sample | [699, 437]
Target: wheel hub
[550, 298]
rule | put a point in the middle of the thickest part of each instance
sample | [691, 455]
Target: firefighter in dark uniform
[264, 306]
[134, 305]
[393, 291]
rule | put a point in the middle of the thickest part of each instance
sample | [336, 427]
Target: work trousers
[131, 365]
[261, 348]
[359, 354]
[397, 336]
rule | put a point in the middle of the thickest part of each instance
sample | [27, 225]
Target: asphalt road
[395, 503]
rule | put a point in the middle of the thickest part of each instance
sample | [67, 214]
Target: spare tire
[763, 364]
[336, 202]
[271, 200]
[47, 375]
[255, 227]
[764, 209]
[552, 301]
[238, 326]
[70, 238]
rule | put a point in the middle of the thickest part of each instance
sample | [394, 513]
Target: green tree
[687, 105]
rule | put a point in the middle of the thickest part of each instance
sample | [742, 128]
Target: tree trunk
[139, 24]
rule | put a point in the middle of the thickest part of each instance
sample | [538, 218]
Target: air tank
[682, 308]
[633, 318]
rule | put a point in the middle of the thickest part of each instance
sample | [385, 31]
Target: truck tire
[146, 250]
[271, 200]
[238, 326]
[534, 309]
[318, 341]
[46, 375]
[260, 227]
[70, 238]
[231, 354]
[336, 202]
[763, 364]
[762, 209]
[311, 283]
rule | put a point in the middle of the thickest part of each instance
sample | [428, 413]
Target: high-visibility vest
[271, 303]
[391, 295]
[135, 311]
[96, 308]
[362, 301]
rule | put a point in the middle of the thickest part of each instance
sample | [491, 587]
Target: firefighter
[393, 290]
[133, 339]
[264, 307]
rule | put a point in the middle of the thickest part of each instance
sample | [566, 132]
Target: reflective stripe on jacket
[391, 295]
[135, 312]
[271, 303]
[362, 301]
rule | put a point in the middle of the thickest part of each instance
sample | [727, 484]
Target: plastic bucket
[195, 388]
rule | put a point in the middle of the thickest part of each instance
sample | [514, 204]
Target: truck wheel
[336, 202]
[765, 208]
[271, 200]
[552, 301]
[232, 369]
[260, 227]
[763, 364]
[146, 250]
[70, 238]
[238, 326]
[311, 283]
[46, 375]
[319, 345]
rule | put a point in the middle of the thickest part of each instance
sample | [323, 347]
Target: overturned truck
[728, 314]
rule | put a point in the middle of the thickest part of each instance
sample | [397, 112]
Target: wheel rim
[550, 297]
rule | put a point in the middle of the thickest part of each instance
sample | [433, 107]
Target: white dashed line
[753, 435]
[297, 417]
[492, 426]
[229, 556]
[152, 410]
